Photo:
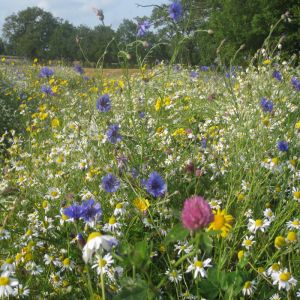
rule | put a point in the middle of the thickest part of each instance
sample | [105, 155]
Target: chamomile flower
[249, 288]
[273, 269]
[268, 213]
[120, 208]
[284, 280]
[174, 275]
[67, 264]
[53, 193]
[102, 264]
[7, 284]
[112, 225]
[198, 267]
[48, 260]
[183, 247]
[248, 242]
[295, 224]
[97, 242]
[21, 291]
[296, 194]
[258, 225]
[275, 297]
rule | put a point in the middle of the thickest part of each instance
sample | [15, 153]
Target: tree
[62, 42]
[29, 32]
[2, 46]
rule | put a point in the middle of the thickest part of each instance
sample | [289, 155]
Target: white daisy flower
[174, 275]
[296, 194]
[21, 291]
[7, 284]
[103, 263]
[97, 242]
[269, 214]
[120, 208]
[249, 288]
[295, 224]
[53, 193]
[248, 242]
[112, 225]
[255, 225]
[198, 267]
[183, 246]
[4, 234]
[274, 269]
[275, 297]
[284, 280]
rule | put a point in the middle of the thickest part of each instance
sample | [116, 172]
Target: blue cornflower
[296, 83]
[47, 90]
[175, 11]
[103, 103]
[204, 143]
[74, 211]
[112, 134]
[141, 114]
[204, 68]
[46, 72]
[266, 105]
[155, 185]
[283, 146]
[110, 183]
[91, 209]
[277, 75]
[143, 28]
[194, 74]
[79, 69]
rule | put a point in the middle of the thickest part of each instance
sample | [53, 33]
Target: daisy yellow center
[93, 235]
[119, 205]
[112, 220]
[292, 236]
[4, 281]
[54, 193]
[258, 223]
[247, 284]
[295, 223]
[248, 242]
[219, 221]
[285, 276]
[102, 263]
[297, 194]
[66, 262]
[293, 162]
[275, 267]
[173, 273]
[198, 264]
[9, 260]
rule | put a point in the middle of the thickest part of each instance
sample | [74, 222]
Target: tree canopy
[204, 24]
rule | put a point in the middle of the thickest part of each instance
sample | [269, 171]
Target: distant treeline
[202, 28]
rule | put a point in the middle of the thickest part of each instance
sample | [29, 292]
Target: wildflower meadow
[175, 182]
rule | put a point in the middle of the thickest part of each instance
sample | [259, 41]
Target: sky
[81, 11]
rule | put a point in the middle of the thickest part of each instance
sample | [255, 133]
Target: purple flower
[74, 211]
[47, 90]
[204, 143]
[277, 75]
[296, 83]
[46, 72]
[194, 74]
[175, 11]
[196, 213]
[143, 28]
[110, 183]
[204, 68]
[79, 69]
[266, 105]
[155, 185]
[91, 209]
[142, 114]
[103, 103]
[283, 146]
[112, 134]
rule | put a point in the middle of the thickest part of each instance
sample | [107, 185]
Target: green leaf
[208, 290]
[139, 253]
[177, 233]
[133, 289]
